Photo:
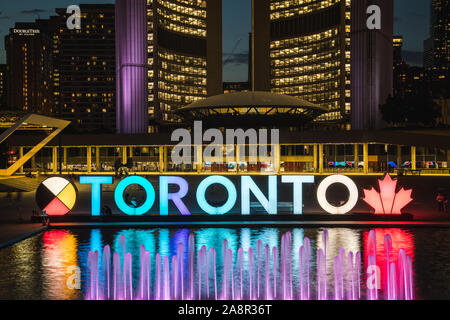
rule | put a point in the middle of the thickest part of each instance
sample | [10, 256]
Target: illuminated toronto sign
[57, 196]
[248, 187]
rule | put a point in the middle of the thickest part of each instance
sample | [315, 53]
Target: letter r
[165, 196]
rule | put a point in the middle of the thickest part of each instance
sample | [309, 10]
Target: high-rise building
[411, 80]
[29, 67]
[3, 87]
[322, 52]
[428, 53]
[84, 70]
[437, 46]
[302, 48]
[436, 59]
[183, 41]
[66, 73]
[398, 45]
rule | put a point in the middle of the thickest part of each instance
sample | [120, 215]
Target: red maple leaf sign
[387, 201]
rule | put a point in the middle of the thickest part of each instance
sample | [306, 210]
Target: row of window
[288, 8]
[173, 68]
[176, 99]
[170, 25]
[183, 60]
[304, 65]
[182, 89]
[187, 11]
[305, 40]
[305, 79]
[197, 4]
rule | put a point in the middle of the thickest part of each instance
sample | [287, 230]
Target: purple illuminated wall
[372, 61]
[132, 75]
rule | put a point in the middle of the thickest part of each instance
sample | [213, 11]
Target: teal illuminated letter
[247, 185]
[96, 192]
[205, 206]
[298, 189]
[134, 211]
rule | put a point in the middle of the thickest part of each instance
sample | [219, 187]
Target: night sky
[411, 22]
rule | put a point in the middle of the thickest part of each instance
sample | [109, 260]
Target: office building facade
[29, 67]
[398, 46]
[65, 73]
[84, 69]
[437, 46]
[301, 48]
[436, 59]
[3, 87]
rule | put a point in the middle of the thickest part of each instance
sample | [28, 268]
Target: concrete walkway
[12, 233]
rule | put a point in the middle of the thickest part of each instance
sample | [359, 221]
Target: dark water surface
[38, 268]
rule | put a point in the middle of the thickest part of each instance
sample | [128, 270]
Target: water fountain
[262, 274]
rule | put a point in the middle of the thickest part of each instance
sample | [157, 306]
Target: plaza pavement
[12, 233]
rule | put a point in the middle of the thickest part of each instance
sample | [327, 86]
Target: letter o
[124, 207]
[205, 184]
[322, 190]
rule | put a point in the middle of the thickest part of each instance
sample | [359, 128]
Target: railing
[156, 160]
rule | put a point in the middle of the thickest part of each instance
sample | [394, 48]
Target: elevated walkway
[18, 183]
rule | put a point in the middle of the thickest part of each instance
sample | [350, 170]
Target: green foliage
[415, 109]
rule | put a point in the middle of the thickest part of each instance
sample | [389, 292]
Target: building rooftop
[254, 108]
[255, 99]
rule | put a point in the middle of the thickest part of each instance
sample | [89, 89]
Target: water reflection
[59, 252]
[401, 239]
[36, 268]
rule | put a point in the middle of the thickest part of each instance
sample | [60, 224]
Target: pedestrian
[45, 219]
[440, 200]
[117, 165]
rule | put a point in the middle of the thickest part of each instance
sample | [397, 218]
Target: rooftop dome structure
[251, 109]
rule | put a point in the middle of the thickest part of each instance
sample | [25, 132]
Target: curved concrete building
[319, 51]
[306, 44]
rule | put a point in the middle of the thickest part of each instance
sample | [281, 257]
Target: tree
[414, 109]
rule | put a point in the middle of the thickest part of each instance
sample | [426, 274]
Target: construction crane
[232, 51]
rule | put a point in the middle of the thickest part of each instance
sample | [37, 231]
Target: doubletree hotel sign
[26, 32]
[57, 195]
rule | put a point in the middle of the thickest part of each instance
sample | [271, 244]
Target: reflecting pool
[45, 266]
